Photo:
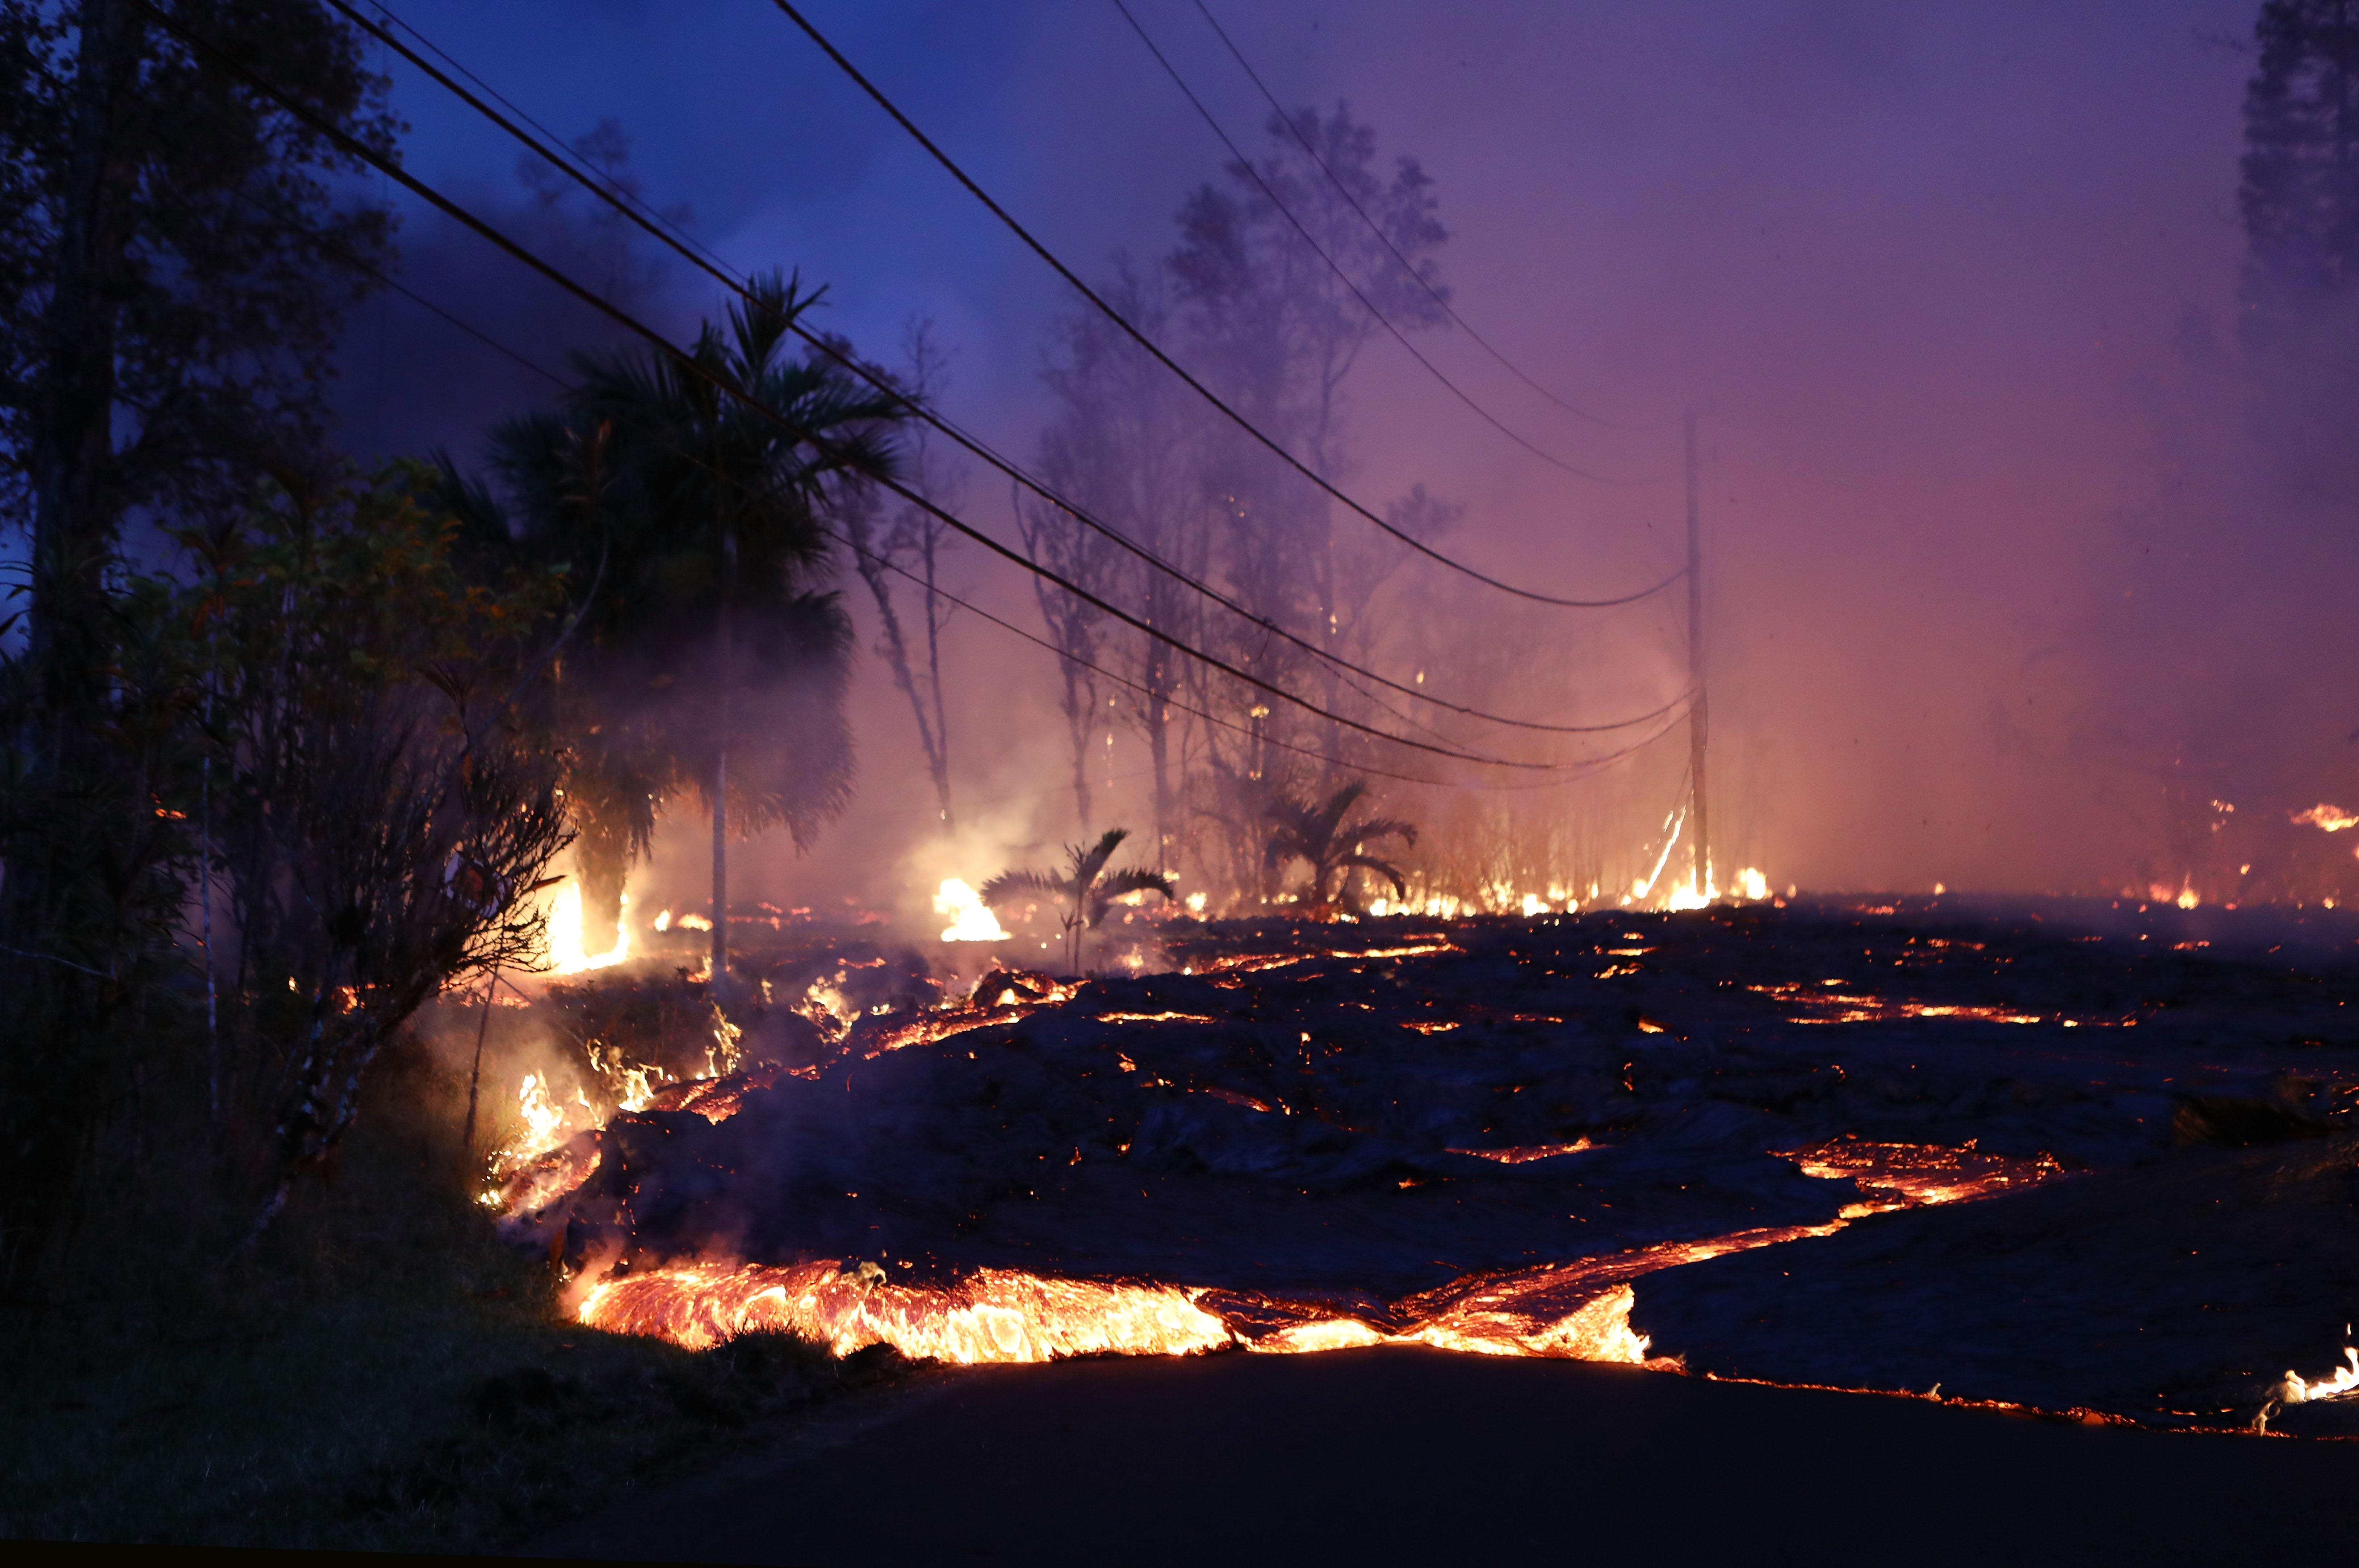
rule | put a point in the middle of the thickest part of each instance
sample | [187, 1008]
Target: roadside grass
[382, 1373]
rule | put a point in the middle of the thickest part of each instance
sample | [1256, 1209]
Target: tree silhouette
[709, 662]
[1088, 889]
[1316, 833]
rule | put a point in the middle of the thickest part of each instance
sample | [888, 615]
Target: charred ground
[1369, 1121]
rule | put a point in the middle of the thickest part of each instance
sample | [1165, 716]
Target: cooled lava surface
[2028, 1161]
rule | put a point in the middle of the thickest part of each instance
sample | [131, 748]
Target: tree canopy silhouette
[1316, 831]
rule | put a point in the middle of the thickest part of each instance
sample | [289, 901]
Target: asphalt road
[1400, 1454]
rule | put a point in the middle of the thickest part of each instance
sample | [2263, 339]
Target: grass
[384, 1375]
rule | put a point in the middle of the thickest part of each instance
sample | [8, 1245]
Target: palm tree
[1087, 886]
[709, 663]
[1317, 834]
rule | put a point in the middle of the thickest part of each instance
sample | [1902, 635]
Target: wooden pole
[1699, 715]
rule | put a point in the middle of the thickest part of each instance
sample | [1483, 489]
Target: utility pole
[1698, 712]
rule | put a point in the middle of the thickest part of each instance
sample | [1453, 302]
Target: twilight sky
[1929, 273]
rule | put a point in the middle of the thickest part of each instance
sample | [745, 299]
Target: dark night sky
[1927, 270]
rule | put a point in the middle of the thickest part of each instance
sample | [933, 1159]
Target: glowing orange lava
[995, 1314]
[1525, 1153]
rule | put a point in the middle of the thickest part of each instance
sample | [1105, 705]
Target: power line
[666, 234]
[1154, 349]
[1377, 229]
[1576, 771]
[356, 148]
[1245, 166]
[343, 255]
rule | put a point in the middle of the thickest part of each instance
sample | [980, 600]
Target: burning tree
[378, 805]
[1088, 889]
[1316, 832]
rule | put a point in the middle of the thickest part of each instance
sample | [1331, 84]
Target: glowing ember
[1434, 1027]
[565, 951]
[1154, 1018]
[971, 919]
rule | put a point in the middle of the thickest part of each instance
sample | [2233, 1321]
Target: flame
[543, 1119]
[693, 922]
[663, 921]
[565, 934]
[970, 918]
[2298, 1390]
[2330, 819]
[1751, 884]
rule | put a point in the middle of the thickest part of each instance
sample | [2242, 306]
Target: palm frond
[1379, 827]
[1130, 879]
[1088, 862]
[1384, 868]
[1008, 886]
[1340, 801]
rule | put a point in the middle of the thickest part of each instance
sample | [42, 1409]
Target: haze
[1948, 287]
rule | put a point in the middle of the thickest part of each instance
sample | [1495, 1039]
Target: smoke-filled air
[712, 711]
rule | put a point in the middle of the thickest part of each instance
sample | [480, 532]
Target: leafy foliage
[381, 801]
[1087, 887]
[691, 525]
[1316, 831]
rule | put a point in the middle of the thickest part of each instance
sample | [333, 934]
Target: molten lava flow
[971, 919]
[1904, 1175]
[1508, 1321]
[1155, 1019]
[995, 1314]
[565, 950]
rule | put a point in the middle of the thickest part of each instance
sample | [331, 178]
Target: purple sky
[1925, 269]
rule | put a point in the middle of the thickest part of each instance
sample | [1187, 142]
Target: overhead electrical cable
[1156, 350]
[1245, 166]
[1378, 230]
[343, 255]
[666, 234]
[327, 126]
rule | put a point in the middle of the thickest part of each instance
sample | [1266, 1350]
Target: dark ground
[1413, 1455]
[1301, 1118]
